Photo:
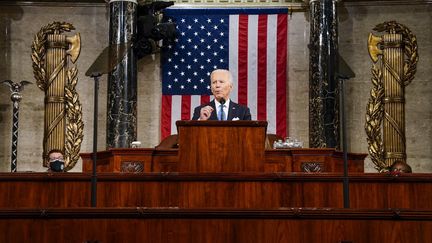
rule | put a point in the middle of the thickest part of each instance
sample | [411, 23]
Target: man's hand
[205, 112]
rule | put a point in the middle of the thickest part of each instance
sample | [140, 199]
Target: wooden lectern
[221, 146]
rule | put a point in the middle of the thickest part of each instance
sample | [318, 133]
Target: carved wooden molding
[175, 212]
[231, 176]
[132, 166]
[312, 167]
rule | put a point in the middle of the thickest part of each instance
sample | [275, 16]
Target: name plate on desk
[221, 146]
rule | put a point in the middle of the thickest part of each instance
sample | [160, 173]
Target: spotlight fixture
[151, 29]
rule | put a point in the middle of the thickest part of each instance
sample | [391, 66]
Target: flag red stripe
[166, 116]
[185, 107]
[205, 99]
[243, 60]
[262, 68]
[281, 78]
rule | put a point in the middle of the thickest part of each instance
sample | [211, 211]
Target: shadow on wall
[8, 14]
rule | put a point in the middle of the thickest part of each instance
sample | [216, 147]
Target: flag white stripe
[175, 112]
[252, 64]
[271, 72]
[195, 101]
[233, 53]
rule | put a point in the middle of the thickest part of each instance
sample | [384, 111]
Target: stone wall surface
[19, 24]
[356, 22]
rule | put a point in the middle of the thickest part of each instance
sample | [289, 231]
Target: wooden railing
[215, 190]
[295, 225]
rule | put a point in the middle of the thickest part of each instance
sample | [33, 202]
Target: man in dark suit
[221, 107]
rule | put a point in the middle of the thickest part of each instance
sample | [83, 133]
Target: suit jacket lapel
[232, 110]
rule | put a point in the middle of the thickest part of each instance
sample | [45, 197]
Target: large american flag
[250, 42]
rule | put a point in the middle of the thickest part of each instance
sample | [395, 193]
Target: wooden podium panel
[120, 160]
[311, 160]
[215, 190]
[308, 160]
[293, 225]
[227, 146]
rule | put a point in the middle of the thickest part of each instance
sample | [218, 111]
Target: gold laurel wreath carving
[374, 115]
[410, 47]
[375, 106]
[75, 125]
[39, 50]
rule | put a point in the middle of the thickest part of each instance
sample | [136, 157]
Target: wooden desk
[215, 190]
[280, 160]
[215, 146]
[166, 225]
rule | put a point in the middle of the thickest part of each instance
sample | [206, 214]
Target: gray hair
[230, 77]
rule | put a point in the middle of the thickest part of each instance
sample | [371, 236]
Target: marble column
[323, 83]
[121, 127]
[5, 47]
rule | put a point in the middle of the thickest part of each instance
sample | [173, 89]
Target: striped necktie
[221, 113]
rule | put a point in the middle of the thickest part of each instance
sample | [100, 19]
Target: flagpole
[16, 97]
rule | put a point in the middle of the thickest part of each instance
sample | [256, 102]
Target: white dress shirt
[225, 109]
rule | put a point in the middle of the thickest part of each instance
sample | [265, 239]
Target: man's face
[55, 156]
[220, 85]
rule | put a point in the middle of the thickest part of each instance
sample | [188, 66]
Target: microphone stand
[346, 196]
[96, 77]
[106, 62]
[344, 72]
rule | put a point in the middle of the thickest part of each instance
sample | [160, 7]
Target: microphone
[222, 101]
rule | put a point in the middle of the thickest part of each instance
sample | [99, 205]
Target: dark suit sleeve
[196, 113]
[247, 115]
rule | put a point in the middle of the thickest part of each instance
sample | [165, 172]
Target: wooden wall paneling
[139, 194]
[305, 157]
[104, 161]
[325, 160]
[225, 226]
[273, 160]
[215, 190]
[405, 191]
[45, 190]
[278, 160]
[220, 191]
[132, 160]
[355, 162]
[165, 160]
[120, 160]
